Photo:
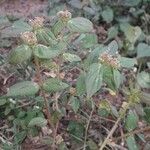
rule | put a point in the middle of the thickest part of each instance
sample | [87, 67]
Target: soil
[23, 8]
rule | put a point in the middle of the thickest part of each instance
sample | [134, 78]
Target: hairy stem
[37, 65]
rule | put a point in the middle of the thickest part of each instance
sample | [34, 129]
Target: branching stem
[114, 127]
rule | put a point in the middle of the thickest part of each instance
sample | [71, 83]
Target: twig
[55, 134]
[117, 146]
[110, 133]
[132, 132]
[114, 127]
[87, 127]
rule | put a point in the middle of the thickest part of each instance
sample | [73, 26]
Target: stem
[114, 127]
[132, 132]
[55, 134]
[37, 66]
[110, 133]
[87, 127]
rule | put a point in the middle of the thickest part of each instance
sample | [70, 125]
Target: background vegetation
[74, 83]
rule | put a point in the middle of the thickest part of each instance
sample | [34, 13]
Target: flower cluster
[37, 22]
[29, 38]
[110, 60]
[64, 15]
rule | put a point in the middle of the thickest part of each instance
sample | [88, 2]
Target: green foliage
[75, 104]
[38, 121]
[54, 85]
[25, 88]
[143, 79]
[106, 67]
[108, 15]
[131, 142]
[46, 36]
[143, 50]
[76, 129]
[80, 25]
[21, 54]
[128, 62]
[94, 79]
[147, 114]
[71, 57]
[131, 121]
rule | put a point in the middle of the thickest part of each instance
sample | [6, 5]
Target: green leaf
[112, 32]
[71, 57]
[16, 29]
[80, 24]
[108, 15]
[147, 114]
[143, 79]
[143, 50]
[87, 40]
[131, 3]
[108, 77]
[131, 121]
[44, 52]
[25, 88]
[132, 145]
[80, 86]
[3, 21]
[104, 108]
[20, 136]
[76, 129]
[92, 145]
[145, 98]
[2, 102]
[54, 85]
[75, 104]
[76, 4]
[117, 78]
[113, 47]
[46, 37]
[94, 55]
[133, 33]
[38, 121]
[94, 79]
[128, 62]
[21, 54]
[58, 27]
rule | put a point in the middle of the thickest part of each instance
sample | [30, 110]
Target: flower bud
[29, 38]
[37, 22]
[108, 59]
[64, 15]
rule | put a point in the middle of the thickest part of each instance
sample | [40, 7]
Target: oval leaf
[71, 57]
[25, 88]
[143, 50]
[75, 104]
[20, 54]
[38, 121]
[93, 79]
[108, 15]
[80, 24]
[44, 52]
[131, 121]
[132, 145]
[54, 85]
[143, 79]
